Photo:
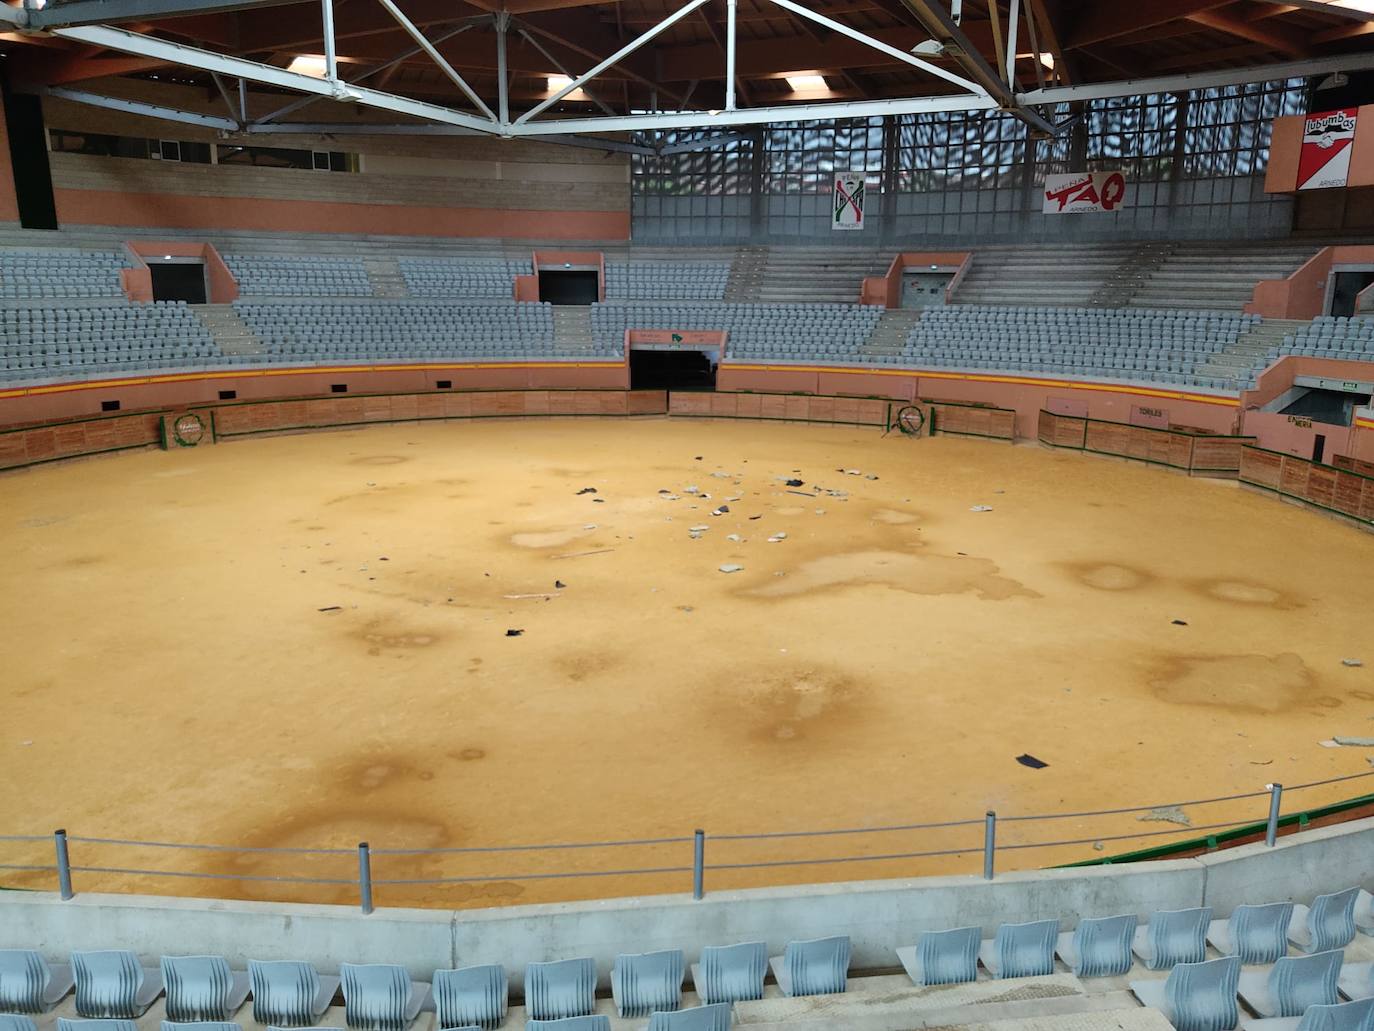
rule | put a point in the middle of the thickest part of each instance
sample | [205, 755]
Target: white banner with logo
[847, 211]
[1327, 139]
[1084, 191]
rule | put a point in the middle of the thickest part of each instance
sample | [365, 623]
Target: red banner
[1326, 141]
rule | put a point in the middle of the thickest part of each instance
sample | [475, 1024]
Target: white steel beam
[234, 110]
[374, 129]
[502, 76]
[331, 59]
[136, 107]
[102, 12]
[881, 47]
[414, 32]
[730, 54]
[1013, 19]
[534, 42]
[616, 58]
[176, 53]
[405, 55]
[706, 141]
[1200, 80]
[759, 115]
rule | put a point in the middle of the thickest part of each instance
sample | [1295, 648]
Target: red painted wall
[100, 207]
[9, 204]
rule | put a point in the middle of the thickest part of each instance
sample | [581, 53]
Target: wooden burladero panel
[974, 420]
[322, 412]
[1197, 453]
[34, 445]
[854, 411]
[1346, 493]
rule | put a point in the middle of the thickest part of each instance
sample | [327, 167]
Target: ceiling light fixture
[806, 82]
[307, 64]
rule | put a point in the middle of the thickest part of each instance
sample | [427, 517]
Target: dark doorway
[180, 281]
[1346, 288]
[569, 286]
[1318, 447]
[29, 160]
[671, 370]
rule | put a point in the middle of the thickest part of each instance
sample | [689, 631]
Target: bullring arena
[595, 515]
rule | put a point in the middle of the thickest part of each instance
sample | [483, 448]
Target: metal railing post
[364, 877]
[989, 844]
[699, 864]
[64, 864]
[1271, 832]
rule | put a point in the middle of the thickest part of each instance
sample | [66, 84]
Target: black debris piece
[802, 493]
[586, 490]
[331, 608]
[756, 517]
[1179, 622]
[1029, 760]
[559, 584]
[598, 501]
[795, 483]
[514, 633]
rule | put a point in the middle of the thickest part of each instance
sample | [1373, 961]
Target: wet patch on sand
[1108, 576]
[468, 755]
[807, 704]
[1241, 683]
[381, 771]
[892, 517]
[378, 636]
[586, 665]
[548, 538]
[924, 574]
[378, 460]
[1244, 592]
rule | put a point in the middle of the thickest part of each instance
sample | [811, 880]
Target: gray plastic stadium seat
[587, 1022]
[380, 996]
[28, 984]
[1173, 936]
[1195, 996]
[200, 1025]
[816, 967]
[1292, 984]
[641, 984]
[1098, 947]
[16, 1022]
[565, 988]
[316, 1027]
[287, 993]
[1329, 923]
[1257, 934]
[111, 984]
[731, 973]
[202, 988]
[943, 957]
[96, 1024]
[1021, 950]
[472, 996]
[713, 1017]
[1344, 1016]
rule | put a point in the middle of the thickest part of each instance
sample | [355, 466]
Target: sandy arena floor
[176, 669]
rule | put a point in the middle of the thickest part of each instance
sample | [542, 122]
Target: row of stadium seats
[1163, 345]
[757, 331]
[462, 277]
[279, 276]
[653, 280]
[1199, 993]
[1327, 337]
[27, 275]
[399, 331]
[108, 339]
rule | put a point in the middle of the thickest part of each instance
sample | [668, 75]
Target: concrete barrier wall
[878, 915]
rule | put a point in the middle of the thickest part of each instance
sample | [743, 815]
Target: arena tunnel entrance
[569, 286]
[178, 279]
[672, 369]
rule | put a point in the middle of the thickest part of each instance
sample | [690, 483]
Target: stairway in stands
[1071, 275]
[572, 329]
[385, 276]
[1126, 280]
[1248, 356]
[889, 335]
[809, 275]
[1219, 276]
[746, 274]
[232, 335]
